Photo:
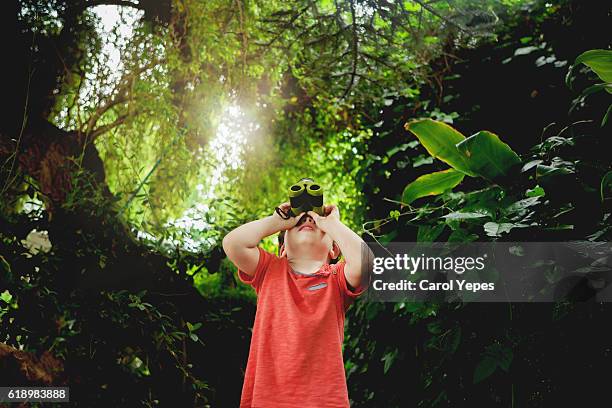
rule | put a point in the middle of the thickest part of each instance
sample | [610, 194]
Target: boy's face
[306, 240]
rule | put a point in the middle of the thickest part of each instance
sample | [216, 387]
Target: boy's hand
[289, 223]
[240, 244]
[332, 216]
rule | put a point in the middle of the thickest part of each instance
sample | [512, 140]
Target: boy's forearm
[351, 245]
[249, 235]
[349, 242]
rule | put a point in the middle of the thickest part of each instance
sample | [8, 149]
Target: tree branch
[355, 52]
[427, 7]
[377, 59]
[105, 128]
[119, 94]
[284, 27]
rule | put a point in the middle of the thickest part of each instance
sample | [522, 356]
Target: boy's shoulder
[270, 258]
[265, 263]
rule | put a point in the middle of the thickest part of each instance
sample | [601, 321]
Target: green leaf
[494, 229]
[505, 359]
[434, 327]
[560, 227]
[385, 239]
[461, 235]
[529, 165]
[487, 155]
[429, 233]
[484, 369]
[595, 88]
[396, 149]
[193, 327]
[525, 50]
[178, 335]
[606, 186]
[522, 204]
[545, 173]
[440, 140]
[517, 250]
[6, 297]
[5, 265]
[421, 160]
[388, 358]
[456, 340]
[600, 61]
[604, 120]
[502, 355]
[537, 191]
[371, 312]
[457, 215]
[431, 184]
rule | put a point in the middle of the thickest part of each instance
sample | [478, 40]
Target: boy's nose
[306, 219]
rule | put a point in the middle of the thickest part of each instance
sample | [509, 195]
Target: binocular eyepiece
[306, 195]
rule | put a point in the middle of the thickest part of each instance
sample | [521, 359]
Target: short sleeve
[348, 294]
[265, 258]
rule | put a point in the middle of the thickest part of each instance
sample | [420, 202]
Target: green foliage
[494, 356]
[606, 186]
[488, 156]
[600, 61]
[557, 190]
[76, 309]
[431, 184]
[482, 154]
[441, 141]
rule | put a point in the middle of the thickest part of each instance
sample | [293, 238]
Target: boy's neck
[307, 266]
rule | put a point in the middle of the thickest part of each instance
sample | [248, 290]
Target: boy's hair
[281, 241]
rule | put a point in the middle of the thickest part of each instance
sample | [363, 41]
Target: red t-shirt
[295, 357]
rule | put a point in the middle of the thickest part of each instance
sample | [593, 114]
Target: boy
[295, 357]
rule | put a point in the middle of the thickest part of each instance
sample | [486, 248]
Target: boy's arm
[240, 244]
[349, 242]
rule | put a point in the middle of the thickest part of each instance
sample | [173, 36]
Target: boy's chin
[307, 244]
[307, 240]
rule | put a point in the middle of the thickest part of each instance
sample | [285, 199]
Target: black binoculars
[306, 195]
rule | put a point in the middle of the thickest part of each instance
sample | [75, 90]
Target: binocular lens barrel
[306, 196]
